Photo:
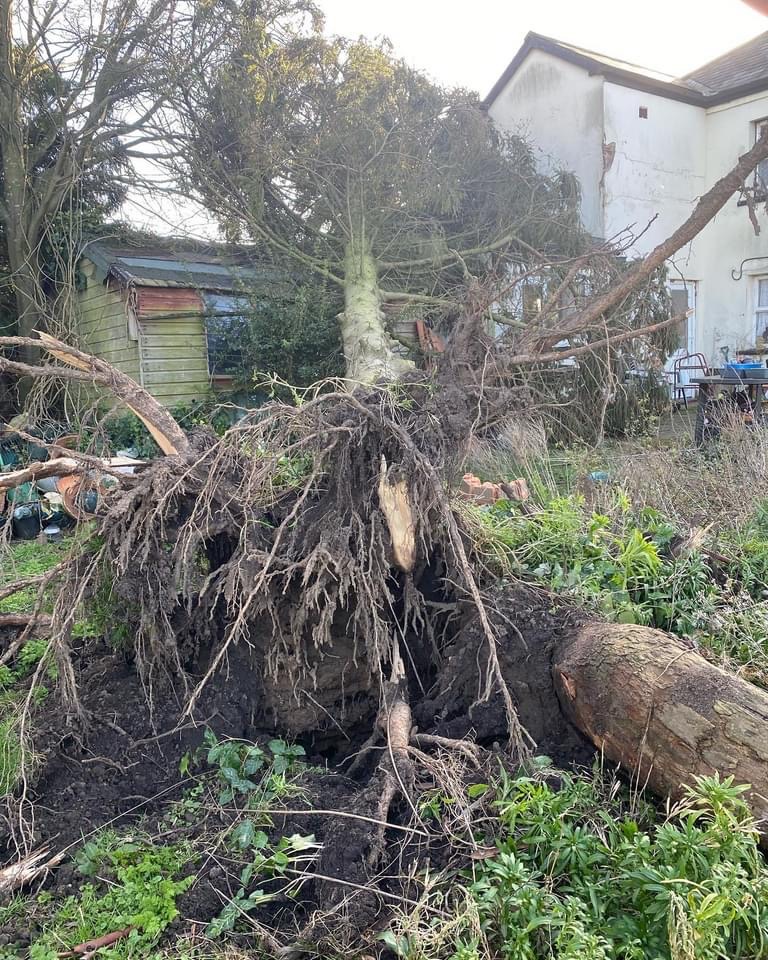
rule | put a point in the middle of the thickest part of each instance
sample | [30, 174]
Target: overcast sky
[470, 44]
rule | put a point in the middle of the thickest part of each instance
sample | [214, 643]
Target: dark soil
[531, 624]
[124, 764]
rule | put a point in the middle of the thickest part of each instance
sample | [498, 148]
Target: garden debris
[71, 484]
[486, 493]
[89, 947]
[27, 869]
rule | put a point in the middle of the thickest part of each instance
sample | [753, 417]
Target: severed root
[471, 751]
[26, 870]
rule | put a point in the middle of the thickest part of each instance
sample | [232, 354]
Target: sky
[470, 44]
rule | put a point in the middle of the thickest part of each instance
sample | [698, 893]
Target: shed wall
[104, 325]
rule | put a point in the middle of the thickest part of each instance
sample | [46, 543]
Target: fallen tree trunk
[662, 711]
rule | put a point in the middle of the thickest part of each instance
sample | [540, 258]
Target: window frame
[760, 181]
[759, 311]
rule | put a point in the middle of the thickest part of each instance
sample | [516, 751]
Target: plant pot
[26, 521]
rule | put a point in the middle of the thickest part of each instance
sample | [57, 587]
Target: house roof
[745, 65]
[180, 263]
[734, 74]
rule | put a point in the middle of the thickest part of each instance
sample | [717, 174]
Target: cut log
[667, 715]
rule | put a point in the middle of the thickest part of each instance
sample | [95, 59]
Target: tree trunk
[662, 711]
[369, 350]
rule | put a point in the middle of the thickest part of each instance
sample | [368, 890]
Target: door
[683, 296]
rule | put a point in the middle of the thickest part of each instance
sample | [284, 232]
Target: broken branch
[82, 366]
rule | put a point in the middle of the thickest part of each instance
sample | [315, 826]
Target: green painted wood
[172, 355]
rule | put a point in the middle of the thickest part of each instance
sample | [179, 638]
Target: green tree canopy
[338, 154]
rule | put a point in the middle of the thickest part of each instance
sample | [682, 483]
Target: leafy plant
[268, 864]
[237, 762]
[577, 876]
[142, 896]
[621, 564]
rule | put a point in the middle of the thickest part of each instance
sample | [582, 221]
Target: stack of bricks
[486, 493]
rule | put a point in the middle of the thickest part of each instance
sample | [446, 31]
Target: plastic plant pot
[26, 521]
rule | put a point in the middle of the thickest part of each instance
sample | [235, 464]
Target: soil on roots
[125, 764]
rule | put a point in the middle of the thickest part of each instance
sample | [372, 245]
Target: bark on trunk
[369, 350]
[662, 711]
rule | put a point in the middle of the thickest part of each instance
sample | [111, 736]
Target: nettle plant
[238, 762]
[260, 777]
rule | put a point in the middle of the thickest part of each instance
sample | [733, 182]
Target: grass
[606, 518]
[27, 558]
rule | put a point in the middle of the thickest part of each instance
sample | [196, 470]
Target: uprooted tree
[340, 157]
[317, 549]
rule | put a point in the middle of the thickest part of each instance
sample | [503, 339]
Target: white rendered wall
[658, 168]
[727, 306]
[558, 107]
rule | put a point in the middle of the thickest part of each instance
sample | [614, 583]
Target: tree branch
[708, 206]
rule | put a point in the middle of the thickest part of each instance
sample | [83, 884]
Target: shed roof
[171, 263]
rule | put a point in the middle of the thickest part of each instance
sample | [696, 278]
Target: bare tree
[83, 84]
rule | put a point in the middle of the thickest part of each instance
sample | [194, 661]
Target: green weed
[259, 778]
[578, 877]
[237, 763]
[142, 896]
[285, 862]
[580, 872]
[619, 563]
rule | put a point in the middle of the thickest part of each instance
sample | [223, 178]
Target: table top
[732, 381]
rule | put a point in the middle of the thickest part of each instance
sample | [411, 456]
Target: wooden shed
[167, 312]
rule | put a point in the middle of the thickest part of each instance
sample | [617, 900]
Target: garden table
[713, 384]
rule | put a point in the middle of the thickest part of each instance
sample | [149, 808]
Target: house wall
[726, 306]
[558, 107]
[658, 167]
[633, 170]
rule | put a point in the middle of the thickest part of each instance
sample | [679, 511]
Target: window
[678, 297]
[643, 113]
[761, 173]
[761, 307]
[226, 328]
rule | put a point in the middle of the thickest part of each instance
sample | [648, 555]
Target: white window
[761, 173]
[761, 307]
